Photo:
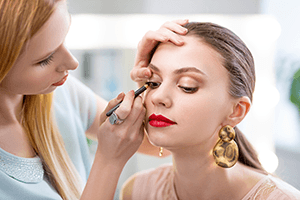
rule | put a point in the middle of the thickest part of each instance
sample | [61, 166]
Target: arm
[116, 144]
[103, 179]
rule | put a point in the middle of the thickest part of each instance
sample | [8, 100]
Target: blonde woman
[37, 159]
[199, 93]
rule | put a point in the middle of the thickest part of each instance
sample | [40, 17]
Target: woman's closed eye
[189, 89]
[47, 61]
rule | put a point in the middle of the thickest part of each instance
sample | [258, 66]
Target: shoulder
[145, 182]
[271, 187]
[126, 192]
[283, 190]
[156, 175]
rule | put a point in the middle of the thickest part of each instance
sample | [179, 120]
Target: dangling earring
[161, 151]
[226, 151]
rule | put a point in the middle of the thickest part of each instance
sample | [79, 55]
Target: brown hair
[19, 21]
[238, 60]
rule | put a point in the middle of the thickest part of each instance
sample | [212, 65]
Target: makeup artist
[46, 114]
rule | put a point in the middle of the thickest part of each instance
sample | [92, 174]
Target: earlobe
[240, 110]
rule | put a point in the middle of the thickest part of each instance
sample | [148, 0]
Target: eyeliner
[136, 93]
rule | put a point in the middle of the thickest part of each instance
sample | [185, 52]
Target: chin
[156, 138]
[48, 90]
[45, 91]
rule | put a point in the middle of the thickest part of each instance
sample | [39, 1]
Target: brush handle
[136, 93]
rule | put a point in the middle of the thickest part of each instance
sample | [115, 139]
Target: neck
[13, 138]
[10, 107]
[196, 174]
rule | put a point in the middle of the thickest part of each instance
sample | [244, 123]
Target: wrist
[109, 162]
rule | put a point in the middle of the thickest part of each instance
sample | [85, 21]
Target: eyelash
[153, 85]
[190, 90]
[46, 62]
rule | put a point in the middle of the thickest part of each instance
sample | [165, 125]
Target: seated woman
[199, 93]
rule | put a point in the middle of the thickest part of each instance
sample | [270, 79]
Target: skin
[29, 76]
[45, 61]
[170, 99]
[199, 116]
[38, 78]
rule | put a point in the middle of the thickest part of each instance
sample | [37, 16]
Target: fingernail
[131, 92]
[119, 97]
[180, 41]
[146, 74]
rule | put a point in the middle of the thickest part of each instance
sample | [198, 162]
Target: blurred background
[104, 35]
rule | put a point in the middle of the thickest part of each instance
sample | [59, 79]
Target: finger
[136, 110]
[138, 126]
[147, 45]
[150, 40]
[181, 22]
[135, 121]
[153, 37]
[175, 27]
[125, 108]
[172, 37]
[140, 119]
[112, 103]
[140, 74]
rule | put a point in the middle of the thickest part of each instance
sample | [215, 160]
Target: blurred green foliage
[295, 90]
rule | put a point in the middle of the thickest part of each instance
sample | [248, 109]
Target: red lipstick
[62, 81]
[160, 121]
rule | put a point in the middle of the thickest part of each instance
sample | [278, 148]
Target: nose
[161, 96]
[69, 62]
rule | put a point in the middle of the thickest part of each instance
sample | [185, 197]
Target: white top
[75, 110]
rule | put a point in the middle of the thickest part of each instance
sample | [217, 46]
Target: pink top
[157, 184]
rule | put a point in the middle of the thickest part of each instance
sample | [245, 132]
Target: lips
[160, 121]
[62, 81]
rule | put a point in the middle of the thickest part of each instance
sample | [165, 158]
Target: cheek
[147, 99]
[26, 81]
[202, 115]
[195, 114]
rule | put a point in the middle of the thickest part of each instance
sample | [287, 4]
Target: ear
[240, 110]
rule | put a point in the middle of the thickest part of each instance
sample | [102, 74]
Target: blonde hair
[19, 21]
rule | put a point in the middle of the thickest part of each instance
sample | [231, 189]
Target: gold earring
[161, 151]
[226, 151]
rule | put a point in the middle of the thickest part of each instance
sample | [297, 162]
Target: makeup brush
[136, 93]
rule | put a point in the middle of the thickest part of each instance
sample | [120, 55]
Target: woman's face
[190, 88]
[45, 61]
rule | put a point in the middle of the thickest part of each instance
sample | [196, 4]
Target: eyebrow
[179, 71]
[52, 52]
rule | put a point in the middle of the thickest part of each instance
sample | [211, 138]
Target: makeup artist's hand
[169, 31]
[117, 143]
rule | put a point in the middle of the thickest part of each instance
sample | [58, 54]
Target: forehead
[194, 53]
[52, 33]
